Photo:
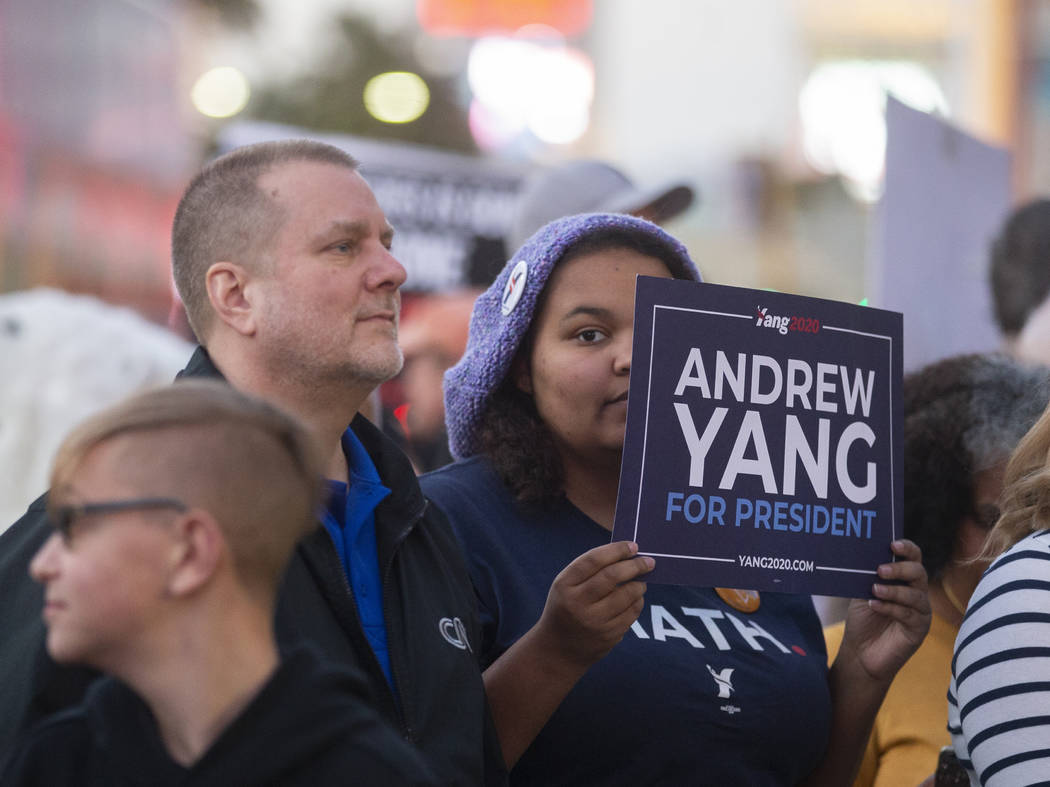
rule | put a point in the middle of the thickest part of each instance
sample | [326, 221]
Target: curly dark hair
[511, 433]
[521, 447]
[962, 415]
[1020, 267]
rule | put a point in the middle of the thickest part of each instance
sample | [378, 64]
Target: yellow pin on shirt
[743, 600]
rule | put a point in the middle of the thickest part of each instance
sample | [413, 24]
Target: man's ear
[197, 554]
[229, 293]
[521, 374]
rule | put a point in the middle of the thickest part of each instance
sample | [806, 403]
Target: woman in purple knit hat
[685, 685]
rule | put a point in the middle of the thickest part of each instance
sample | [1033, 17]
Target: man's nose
[386, 271]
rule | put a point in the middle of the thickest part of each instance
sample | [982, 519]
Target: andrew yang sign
[762, 447]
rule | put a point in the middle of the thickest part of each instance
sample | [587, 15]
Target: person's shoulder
[23, 660]
[1029, 557]
[462, 469]
[1012, 583]
[1039, 540]
[18, 544]
[469, 493]
[24, 537]
[1016, 583]
[304, 667]
[57, 750]
[322, 712]
[466, 476]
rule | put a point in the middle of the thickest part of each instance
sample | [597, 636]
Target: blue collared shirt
[350, 521]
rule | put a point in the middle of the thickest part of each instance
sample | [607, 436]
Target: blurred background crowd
[755, 130]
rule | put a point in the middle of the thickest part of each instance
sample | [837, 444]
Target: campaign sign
[762, 447]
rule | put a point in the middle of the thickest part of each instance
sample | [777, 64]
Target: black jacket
[428, 600]
[306, 727]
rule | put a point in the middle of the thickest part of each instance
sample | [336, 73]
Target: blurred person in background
[590, 186]
[1020, 281]
[433, 335]
[62, 358]
[536, 411]
[174, 514]
[962, 418]
[1000, 671]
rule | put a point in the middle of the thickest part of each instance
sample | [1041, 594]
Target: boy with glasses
[174, 515]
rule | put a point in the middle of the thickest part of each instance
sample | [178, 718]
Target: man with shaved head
[173, 517]
[282, 257]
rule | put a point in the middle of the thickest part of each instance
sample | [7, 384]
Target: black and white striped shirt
[999, 697]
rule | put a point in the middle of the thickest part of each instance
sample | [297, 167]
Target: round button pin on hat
[514, 288]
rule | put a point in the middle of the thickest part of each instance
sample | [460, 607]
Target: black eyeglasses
[63, 517]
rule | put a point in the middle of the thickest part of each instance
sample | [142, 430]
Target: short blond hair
[224, 215]
[1025, 503]
[250, 465]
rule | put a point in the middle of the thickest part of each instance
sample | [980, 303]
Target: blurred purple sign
[946, 195]
[762, 447]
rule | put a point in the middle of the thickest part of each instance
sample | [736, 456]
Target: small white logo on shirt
[455, 633]
[725, 686]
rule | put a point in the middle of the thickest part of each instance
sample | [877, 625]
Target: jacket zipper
[395, 660]
[358, 633]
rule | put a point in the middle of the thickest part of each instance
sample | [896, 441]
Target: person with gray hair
[962, 418]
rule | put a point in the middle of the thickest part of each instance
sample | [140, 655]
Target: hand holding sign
[882, 633]
[593, 602]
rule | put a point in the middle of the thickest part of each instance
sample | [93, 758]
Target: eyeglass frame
[62, 518]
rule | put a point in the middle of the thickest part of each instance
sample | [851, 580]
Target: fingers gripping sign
[594, 600]
[883, 632]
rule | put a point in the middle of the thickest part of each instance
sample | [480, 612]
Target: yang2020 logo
[782, 323]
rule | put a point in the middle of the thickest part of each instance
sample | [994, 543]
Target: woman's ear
[227, 286]
[521, 374]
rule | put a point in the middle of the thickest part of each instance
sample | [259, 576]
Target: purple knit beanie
[503, 313]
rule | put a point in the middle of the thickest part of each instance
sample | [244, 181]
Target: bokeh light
[541, 85]
[491, 130]
[396, 96]
[220, 92]
[842, 106]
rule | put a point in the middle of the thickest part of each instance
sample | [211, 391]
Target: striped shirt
[999, 697]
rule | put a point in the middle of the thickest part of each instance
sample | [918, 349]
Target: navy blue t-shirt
[697, 692]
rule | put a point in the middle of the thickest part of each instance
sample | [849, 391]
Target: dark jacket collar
[200, 365]
[405, 501]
